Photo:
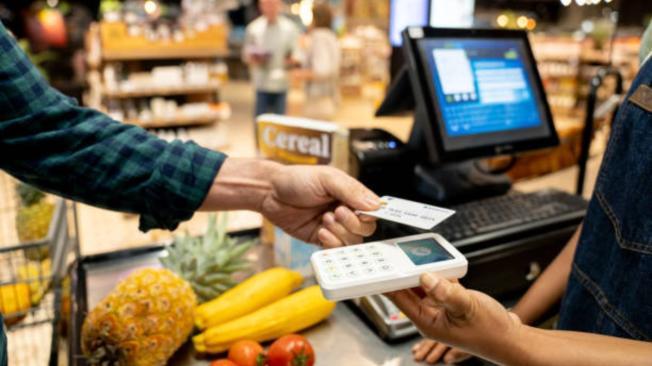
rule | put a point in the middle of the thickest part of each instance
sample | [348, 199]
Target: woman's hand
[469, 320]
[432, 352]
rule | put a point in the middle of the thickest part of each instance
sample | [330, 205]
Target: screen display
[406, 13]
[424, 251]
[484, 88]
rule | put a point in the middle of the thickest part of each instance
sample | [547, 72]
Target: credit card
[410, 213]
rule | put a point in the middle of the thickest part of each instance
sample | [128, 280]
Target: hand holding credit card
[410, 213]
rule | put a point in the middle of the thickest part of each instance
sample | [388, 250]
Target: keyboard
[502, 218]
[511, 214]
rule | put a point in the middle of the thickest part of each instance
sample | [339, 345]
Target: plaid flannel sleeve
[49, 141]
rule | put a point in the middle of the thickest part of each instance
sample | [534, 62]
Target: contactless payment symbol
[420, 251]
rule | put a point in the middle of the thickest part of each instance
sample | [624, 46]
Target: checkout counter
[476, 94]
[343, 339]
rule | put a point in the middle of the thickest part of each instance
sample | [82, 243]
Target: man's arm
[47, 140]
[248, 47]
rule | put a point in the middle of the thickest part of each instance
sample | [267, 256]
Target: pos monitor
[477, 93]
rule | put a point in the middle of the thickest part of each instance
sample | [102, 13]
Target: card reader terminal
[384, 266]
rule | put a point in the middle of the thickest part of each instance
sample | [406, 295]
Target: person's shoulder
[286, 23]
[256, 24]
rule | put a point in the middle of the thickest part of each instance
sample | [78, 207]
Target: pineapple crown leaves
[29, 195]
[209, 261]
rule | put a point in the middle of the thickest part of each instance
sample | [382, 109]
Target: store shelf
[174, 121]
[162, 54]
[164, 91]
[181, 120]
[119, 45]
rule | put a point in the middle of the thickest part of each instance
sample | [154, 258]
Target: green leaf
[239, 251]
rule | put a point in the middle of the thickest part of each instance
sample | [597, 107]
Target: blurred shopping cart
[33, 299]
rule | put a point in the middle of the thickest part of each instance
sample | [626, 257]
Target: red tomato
[223, 362]
[247, 353]
[291, 350]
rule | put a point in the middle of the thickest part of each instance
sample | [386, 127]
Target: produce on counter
[14, 302]
[141, 322]
[257, 291]
[36, 275]
[291, 350]
[149, 315]
[33, 219]
[223, 362]
[247, 353]
[295, 312]
[208, 262]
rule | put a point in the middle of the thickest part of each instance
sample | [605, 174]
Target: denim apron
[610, 287]
[3, 344]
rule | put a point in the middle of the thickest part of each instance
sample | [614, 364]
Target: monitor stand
[449, 183]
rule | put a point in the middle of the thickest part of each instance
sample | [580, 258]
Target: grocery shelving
[567, 64]
[119, 44]
[214, 86]
[222, 112]
[151, 82]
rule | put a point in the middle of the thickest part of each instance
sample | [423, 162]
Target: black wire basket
[32, 299]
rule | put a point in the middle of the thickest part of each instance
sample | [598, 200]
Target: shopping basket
[31, 294]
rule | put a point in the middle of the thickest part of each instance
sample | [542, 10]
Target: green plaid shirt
[49, 141]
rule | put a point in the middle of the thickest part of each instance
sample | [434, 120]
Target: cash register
[475, 94]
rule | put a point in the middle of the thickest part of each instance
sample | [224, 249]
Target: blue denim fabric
[610, 288]
[267, 102]
[3, 344]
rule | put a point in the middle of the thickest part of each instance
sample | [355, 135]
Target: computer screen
[405, 13]
[482, 91]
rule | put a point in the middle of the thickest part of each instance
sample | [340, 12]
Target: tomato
[247, 353]
[223, 362]
[291, 350]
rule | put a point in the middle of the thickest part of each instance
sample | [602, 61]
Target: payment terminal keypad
[354, 263]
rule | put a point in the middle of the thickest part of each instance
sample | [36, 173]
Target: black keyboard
[510, 215]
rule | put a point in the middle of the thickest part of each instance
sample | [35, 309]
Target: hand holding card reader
[385, 266]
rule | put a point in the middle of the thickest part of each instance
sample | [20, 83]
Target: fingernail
[372, 200]
[429, 281]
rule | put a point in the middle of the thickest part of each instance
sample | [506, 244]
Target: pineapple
[33, 219]
[150, 314]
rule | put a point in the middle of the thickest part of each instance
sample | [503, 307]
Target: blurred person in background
[321, 66]
[270, 49]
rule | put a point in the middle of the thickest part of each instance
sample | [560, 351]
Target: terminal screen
[424, 251]
[483, 87]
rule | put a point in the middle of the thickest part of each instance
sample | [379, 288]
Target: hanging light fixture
[584, 2]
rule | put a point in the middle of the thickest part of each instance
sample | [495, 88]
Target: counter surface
[342, 340]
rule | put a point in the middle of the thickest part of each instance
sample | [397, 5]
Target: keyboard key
[386, 268]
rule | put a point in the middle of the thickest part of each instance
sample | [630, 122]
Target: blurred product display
[184, 70]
